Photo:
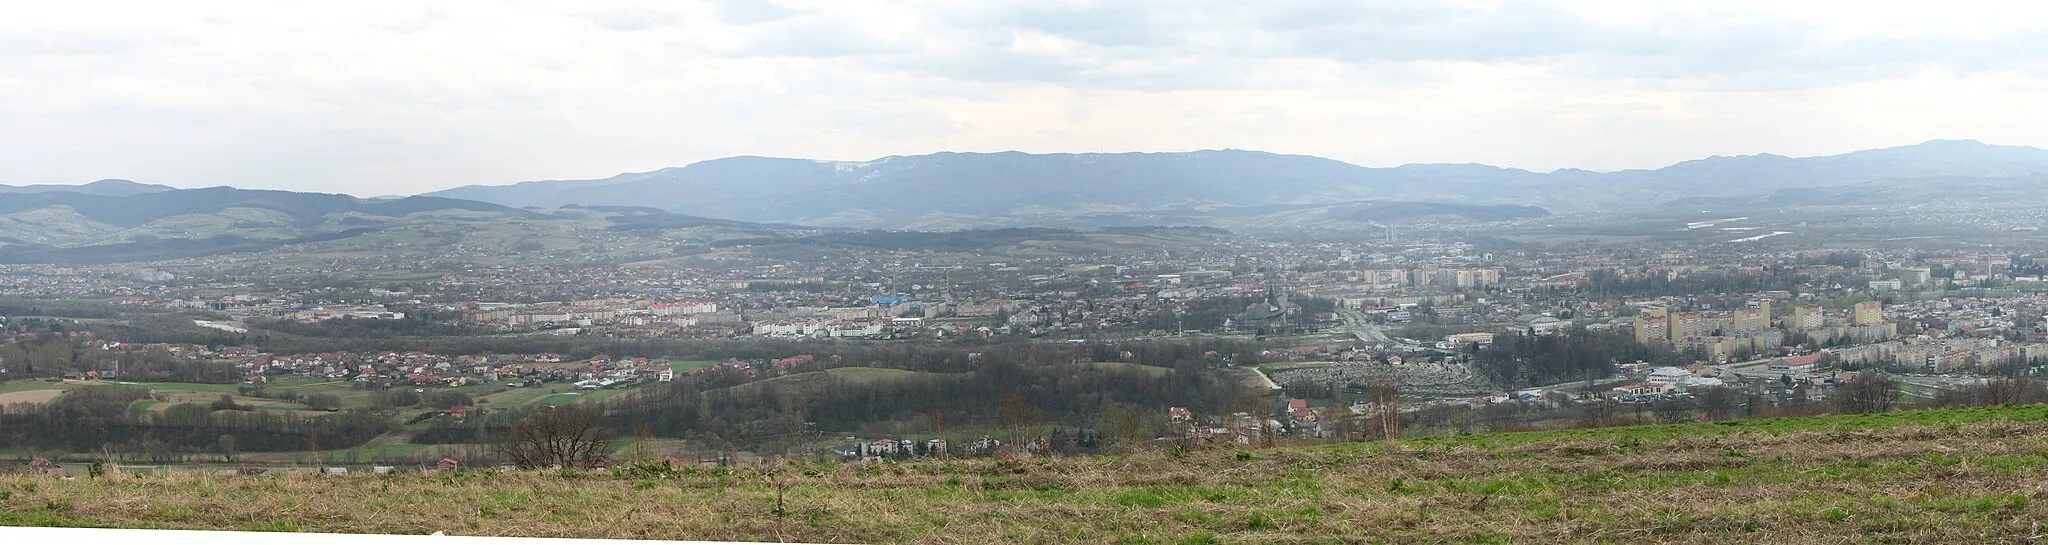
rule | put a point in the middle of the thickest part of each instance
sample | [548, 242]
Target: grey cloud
[1208, 43]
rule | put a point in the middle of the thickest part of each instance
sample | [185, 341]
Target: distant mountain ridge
[141, 208]
[110, 188]
[101, 224]
[116, 221]
[956, 190]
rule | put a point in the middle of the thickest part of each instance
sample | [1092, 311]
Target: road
[1364, 330]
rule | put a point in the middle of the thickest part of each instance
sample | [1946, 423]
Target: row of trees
[1517, 360]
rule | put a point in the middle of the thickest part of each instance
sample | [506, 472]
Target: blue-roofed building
[888, 300]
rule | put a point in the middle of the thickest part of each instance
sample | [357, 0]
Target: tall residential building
[1687, 325]
[1869, 313]
[1805, 317]
[1486, 277]
[1652, 328]
[1755, 317]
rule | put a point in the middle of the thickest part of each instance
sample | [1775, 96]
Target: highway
[1362, 329]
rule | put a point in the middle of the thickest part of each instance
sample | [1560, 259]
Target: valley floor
[1943, 476]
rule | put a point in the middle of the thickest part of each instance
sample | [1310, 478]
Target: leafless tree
[1673, 411]
[2012, 387]
[1123, 426]
[564, 436]
[1384, 392]
[1716, 402]
[1869, 392]
[1018, 416]
[226, 443]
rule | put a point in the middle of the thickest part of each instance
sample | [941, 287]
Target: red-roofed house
[1297, 407]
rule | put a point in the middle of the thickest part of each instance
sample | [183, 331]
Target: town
[1331, 340]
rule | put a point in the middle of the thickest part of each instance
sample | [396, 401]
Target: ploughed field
[1976, 475]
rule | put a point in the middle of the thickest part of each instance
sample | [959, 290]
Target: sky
[379, 97]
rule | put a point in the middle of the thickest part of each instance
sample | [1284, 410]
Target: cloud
[386, 97]
[633, 19]
[746, 12]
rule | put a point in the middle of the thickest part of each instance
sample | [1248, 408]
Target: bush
[444, 399]
[227, 403]
[323, 402]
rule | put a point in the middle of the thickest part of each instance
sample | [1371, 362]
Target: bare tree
[1716, 402]
[1673, 411]
[564, 436]
[1384, 392]
[1017, 416]
[226, 443]
[1123, 426]
[643, 443]
[2012, 387]
[1869, 392]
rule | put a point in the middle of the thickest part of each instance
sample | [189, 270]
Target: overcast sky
[401, 97]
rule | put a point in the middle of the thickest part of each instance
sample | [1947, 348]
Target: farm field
[29, 396]
[1937, 476]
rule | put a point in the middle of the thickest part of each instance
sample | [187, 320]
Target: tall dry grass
[1969, 484]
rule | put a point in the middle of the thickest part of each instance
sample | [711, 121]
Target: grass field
[817, 379]
[581, 396]
[1117, 365]
[29, 396]
[521, 397]
[868, 374]
[179, 386]
[34, 385]
[1949, 476]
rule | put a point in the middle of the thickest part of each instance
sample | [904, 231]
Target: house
[1178, 415]
[883, 447]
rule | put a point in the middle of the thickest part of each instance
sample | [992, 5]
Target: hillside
[86, 225]
[1941, 476]
[1013, 189]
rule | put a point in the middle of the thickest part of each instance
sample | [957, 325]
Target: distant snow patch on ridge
[843, 167]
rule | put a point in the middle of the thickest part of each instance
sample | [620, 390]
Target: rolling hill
[100, 224]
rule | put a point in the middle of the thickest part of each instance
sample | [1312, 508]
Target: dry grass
[29, 396]
[1978, 483]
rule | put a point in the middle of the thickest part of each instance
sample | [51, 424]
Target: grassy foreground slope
[1947, 476]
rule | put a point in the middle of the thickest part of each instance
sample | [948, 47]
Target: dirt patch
[31, 396]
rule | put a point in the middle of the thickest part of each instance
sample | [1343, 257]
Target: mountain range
[749, 198]
[956, 190]
[108, 188]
